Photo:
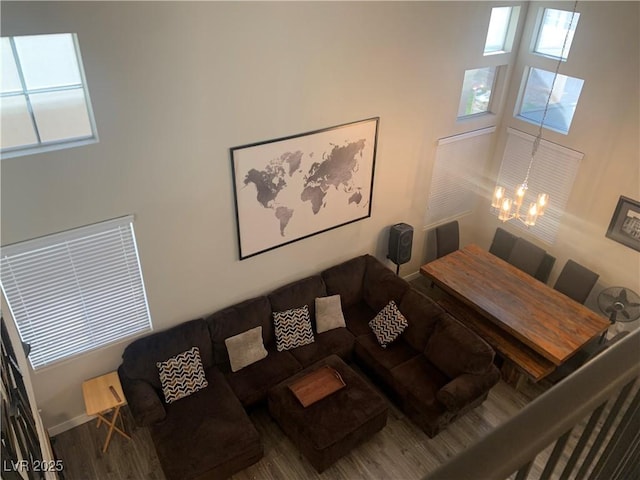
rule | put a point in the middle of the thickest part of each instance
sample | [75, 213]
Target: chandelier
[506, 205]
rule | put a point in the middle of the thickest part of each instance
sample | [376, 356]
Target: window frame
[535, 39]
[52, 145]
[510, 31]
[524, 84]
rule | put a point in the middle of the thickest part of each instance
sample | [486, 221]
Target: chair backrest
[502, 243]
[576, 281]
[526, 256]
[447, 238]
[544, 270]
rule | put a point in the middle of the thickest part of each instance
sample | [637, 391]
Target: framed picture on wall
[294, 187]
[625, 223]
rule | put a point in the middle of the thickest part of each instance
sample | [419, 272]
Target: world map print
[336, 171]
[322, 181]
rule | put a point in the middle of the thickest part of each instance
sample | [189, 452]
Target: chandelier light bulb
[543, 201]
[498, 195]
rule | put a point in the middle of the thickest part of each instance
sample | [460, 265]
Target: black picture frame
[624, 227]
[294, 187]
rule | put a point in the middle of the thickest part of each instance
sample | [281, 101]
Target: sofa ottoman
[328, 429]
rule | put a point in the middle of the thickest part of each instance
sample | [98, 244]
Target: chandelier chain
[536, 141]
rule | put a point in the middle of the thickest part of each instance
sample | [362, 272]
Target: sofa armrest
[144, 402]
[466, 388]
[456, 350]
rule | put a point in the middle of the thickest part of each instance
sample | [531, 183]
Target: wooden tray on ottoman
[317, 385]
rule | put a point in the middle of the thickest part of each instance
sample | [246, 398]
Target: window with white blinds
[457, 171]
[75, 291]
[554, 170]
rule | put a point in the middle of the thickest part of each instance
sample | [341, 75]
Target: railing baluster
[555, 455]
[584, 438]
[629, 425]
[604, 431]
[523, 473]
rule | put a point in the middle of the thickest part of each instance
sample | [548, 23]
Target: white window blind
[75, 291]
[457, 171]
[554, 171]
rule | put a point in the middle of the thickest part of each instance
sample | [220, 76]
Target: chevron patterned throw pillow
[388, 324]
[293, 328]
[182, 375]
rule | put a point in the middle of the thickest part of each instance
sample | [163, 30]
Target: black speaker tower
[400, 241]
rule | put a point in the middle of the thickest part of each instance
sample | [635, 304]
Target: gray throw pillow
[329, 313]
[245, 348]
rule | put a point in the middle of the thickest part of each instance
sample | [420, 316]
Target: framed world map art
[294, 187]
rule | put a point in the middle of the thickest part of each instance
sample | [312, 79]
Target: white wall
[175, 85]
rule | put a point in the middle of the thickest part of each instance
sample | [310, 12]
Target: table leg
[112, 427]
[512, 375]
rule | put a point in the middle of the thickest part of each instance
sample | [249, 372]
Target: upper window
[476, 91]
[44, 102]
[562, 102]
[75, 291]
[555, 27]
[502, 29]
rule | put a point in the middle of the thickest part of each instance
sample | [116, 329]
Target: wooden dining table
[533, 326]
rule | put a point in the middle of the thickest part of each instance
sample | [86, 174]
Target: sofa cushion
[296, 294]
[236, 319]
[388, 324]
[420, 378]
[347, 280]
[251, 383]
[338, 341]
[379, 361]
[141, 356]
[182, 375]
[418, 382]
[381, 285]
[221, 438]
[466, 389]
[245, 348]
[328, 313]
[357, 318]
[422, 314]
[455, 349]
[293, 328]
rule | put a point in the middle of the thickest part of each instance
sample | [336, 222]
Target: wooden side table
[102, 395]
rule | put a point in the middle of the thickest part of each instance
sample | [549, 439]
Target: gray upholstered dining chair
[544, 270]
[526, 256]
[502, 243]
[447, 238]
[576, 281]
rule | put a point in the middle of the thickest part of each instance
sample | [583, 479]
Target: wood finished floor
[399, 451]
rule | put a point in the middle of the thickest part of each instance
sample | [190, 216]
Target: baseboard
[412, 276]
[69, 424]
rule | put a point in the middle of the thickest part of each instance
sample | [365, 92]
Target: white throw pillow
[245, 348]
[329, 313]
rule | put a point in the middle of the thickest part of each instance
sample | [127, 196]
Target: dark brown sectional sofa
[435, 372]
